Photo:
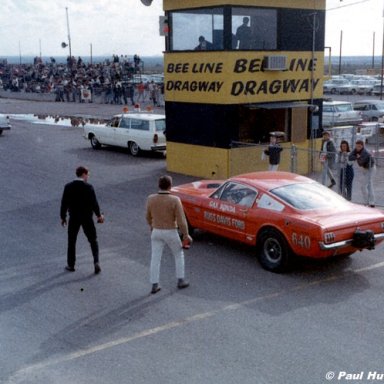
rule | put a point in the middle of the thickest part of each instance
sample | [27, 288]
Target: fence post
[377, 144]
[293, 159]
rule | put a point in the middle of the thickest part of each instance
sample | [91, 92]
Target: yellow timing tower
[235, 70]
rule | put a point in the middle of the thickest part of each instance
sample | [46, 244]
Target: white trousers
[367, 185]
[160, 238]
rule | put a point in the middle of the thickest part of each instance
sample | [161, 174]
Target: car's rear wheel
[273, 250]
[94, 142]
[134, 149]
[1, 132]
[374, 118]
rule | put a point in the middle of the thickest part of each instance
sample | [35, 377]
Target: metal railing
[363, 185]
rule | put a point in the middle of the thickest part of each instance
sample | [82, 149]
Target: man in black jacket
[367, 163]
[79, 199]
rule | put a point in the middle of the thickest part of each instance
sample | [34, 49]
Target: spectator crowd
[118, 80]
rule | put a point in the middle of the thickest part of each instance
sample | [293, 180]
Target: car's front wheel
[273, 250]
[133, 148]
[94, 142]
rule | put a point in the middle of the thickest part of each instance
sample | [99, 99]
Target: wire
[347, 5]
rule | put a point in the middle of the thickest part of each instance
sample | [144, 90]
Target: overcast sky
[128, 27]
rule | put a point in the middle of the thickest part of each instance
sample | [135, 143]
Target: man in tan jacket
[165, 216]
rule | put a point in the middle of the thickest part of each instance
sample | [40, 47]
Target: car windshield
[160, 125]
[308, 196]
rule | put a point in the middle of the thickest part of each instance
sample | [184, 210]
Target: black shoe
[182, 284]
[333, 183]
[372, 205]
[155, 288]
[97, 268]
[69, 269]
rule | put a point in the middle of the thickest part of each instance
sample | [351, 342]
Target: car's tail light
[155, 138]
[329, 237]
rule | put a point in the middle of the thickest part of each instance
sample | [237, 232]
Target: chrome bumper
[344, 243]
[159, 147]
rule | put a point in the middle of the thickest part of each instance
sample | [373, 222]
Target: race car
[282, 214]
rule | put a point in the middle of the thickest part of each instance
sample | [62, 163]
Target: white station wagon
[4, 123]
[135, 131]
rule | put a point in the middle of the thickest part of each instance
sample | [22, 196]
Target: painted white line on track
[21, 374]
[369, 268]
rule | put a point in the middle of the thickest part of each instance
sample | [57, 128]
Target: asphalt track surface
[235, 323]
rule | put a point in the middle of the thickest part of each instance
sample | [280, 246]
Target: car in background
[337, 86]
[5, 125]
[337, 113]
[371, 110]
[157, 78]
[369, 131]
[282, 214]
[137, 79]
[378, 89]
[135, 131]
[362, 86]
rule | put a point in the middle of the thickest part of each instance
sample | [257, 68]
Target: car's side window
[114, 122]
[142, 125]
[240, 194]
[124, 123]
[249, 197]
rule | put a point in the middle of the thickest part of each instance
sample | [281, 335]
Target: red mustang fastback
[282, 214]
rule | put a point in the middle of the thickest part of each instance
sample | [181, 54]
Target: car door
[226, 211]
[121, 132]
[107, 133]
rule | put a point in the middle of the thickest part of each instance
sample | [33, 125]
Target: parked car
[368, 130]
[135, 131]
[378, 89]
[136, 79]
[340, 86]
[282, 214]
[362, 86]
[336, 113]
[5, 125]
[371, 110]
[157, 78]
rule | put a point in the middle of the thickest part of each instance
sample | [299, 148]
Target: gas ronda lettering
[222, 207]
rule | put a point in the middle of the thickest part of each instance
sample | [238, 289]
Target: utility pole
[69, 35]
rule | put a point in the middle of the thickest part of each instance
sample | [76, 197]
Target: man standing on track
[165, 215]
[79, 199]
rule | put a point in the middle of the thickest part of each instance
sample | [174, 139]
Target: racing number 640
[303, 241]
